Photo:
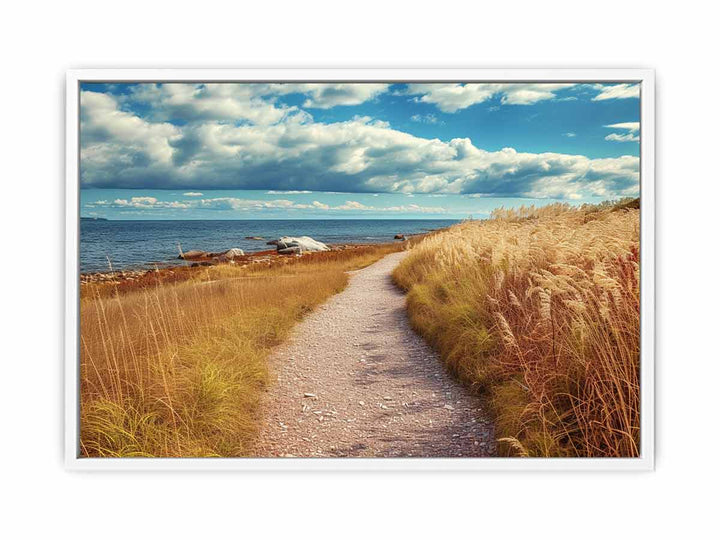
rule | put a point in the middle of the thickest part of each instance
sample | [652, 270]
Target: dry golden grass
[176, 369]
[539, 307]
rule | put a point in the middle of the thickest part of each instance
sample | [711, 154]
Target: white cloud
[352, 205]
[617, 91]
[415, 208]
[630, 126]
[451, 98]
[570, 134]
[425, 118]
[622, 137]
[193, 194]
[211, 101]
[287, 192]
[131, 137]
[630, 135]
[325, 95]
[146, 203]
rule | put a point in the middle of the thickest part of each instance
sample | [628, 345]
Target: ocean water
[139, 244]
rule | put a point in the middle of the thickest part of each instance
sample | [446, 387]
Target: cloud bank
[235, 203]
[238, 136]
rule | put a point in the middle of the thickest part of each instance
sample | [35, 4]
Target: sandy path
[355, 380]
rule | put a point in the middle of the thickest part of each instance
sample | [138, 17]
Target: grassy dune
[539, 308]
[176, 369]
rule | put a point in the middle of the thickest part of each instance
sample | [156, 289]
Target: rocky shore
[196, 259]
[286, 249]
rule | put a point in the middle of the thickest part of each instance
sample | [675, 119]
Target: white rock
[304, 243]
[234, 252]
[308, 394]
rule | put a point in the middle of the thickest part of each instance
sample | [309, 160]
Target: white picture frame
[646, 79]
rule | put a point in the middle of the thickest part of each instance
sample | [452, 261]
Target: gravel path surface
[355, 380]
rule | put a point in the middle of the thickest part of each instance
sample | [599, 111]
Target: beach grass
[176, 368]
[539, 309]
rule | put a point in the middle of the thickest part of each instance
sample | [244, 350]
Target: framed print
[360, 269]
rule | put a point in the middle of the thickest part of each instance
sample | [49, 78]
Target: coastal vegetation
[173, 364]
[539, 308]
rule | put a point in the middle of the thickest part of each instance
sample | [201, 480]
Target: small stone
[362, 403]
[387, 398]
[309, 394]
[449, 407]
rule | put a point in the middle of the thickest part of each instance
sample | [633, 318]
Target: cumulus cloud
[211, 101]
[325, 95]
[123, 150]
[617, 91]
[135, 141]
[352, 205]
[451, 98]
[193, 194]
[630, 134]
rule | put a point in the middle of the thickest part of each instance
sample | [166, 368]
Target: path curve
[354, 380]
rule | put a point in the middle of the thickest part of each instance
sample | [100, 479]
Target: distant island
[82, 218]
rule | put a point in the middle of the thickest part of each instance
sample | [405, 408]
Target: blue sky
[352, 150]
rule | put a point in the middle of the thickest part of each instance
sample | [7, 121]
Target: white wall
[40, 42]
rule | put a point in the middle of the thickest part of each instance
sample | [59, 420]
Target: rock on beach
[292, 245]
[193, 254]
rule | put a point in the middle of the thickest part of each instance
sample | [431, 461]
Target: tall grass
[176, 369]
[539, 308]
